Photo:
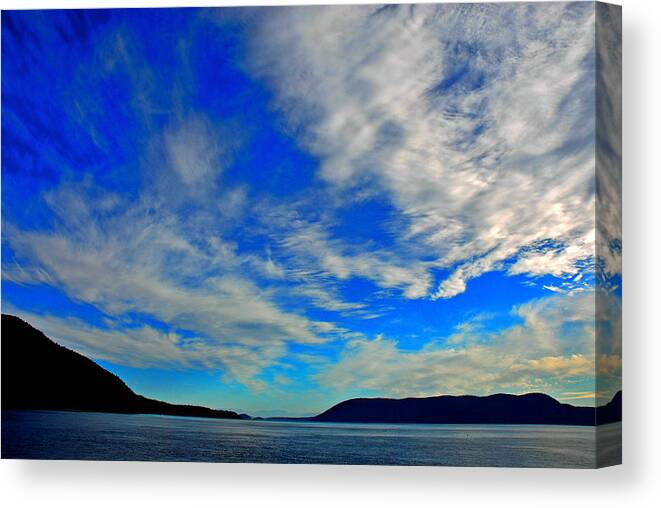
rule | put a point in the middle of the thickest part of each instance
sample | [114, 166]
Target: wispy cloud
[481, 137]
[147, 257]
[194, 152]
[552, 346]
[322, 255]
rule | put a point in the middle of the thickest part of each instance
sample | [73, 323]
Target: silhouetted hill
[532, 408]
[611, 412]
[37, 373]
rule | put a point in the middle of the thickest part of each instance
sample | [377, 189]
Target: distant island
[37, 373]
[531, 408]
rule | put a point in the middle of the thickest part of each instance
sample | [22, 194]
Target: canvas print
[318, 234]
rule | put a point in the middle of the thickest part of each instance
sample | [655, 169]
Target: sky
[272, 210]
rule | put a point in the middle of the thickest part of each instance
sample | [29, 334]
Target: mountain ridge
[38, 373]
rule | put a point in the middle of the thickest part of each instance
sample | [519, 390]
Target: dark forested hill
[532, 408]
[611, 412]
[37, 373]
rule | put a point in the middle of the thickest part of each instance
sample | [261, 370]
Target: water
[99, 436]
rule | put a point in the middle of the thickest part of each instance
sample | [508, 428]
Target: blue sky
[275, 209]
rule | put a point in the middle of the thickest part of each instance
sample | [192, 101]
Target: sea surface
[103, 436]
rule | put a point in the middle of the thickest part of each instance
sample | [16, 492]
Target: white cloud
[193, 152]
[560, 262]
[325, 299]
[482, 137]
[326, 256]
[552, 347]
[148, 257]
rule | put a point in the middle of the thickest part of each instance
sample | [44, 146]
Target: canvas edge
[608, 218]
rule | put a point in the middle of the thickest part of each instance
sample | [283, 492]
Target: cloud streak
[481, 137]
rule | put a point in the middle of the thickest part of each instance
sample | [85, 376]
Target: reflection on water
[98, 436]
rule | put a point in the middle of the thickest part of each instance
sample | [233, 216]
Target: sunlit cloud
[542, 353]
[481, 138]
